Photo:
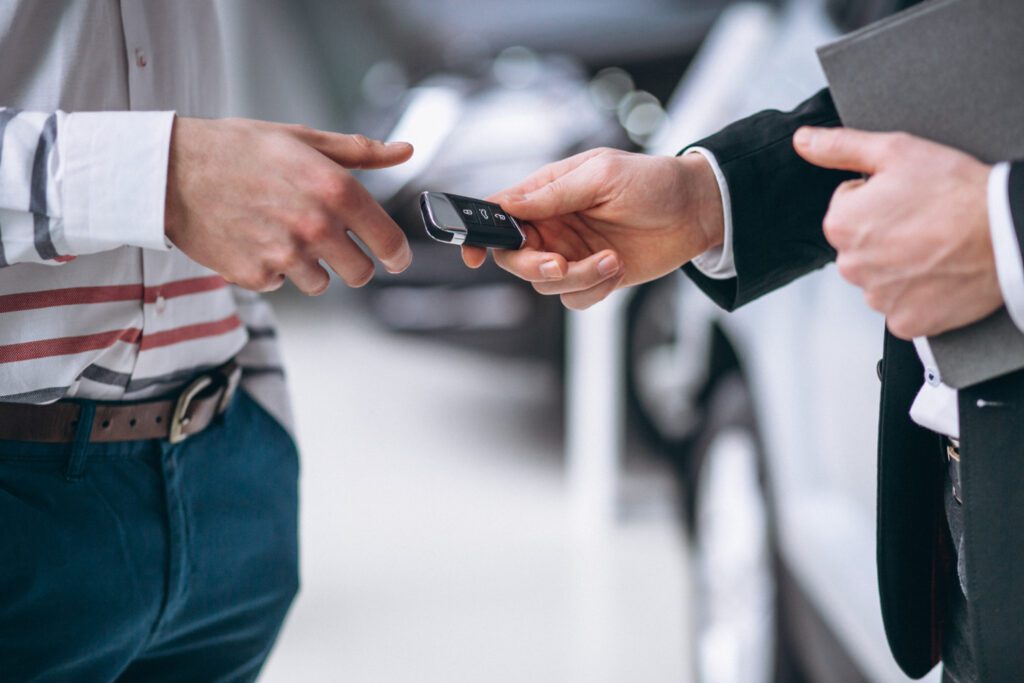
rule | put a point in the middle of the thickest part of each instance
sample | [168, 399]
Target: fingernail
[515, 198]
[805, 137]
[396, 144]
[551, 270]
[609, 265]
[402, 264]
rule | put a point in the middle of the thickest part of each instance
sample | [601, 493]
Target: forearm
[80, 183]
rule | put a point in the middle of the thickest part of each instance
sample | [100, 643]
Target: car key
[452, 219]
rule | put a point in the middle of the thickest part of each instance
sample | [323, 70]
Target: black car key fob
[452, 219]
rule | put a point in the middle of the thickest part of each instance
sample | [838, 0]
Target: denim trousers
[146, 561]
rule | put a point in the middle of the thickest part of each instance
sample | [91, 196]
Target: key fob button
[467, 212]
[485, 215]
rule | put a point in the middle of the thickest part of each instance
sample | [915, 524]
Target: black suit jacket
[778, 203]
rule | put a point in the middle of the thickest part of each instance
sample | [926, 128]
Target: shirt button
[140, 58]
[161, 304]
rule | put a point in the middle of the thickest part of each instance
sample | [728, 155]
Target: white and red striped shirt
[94, 302]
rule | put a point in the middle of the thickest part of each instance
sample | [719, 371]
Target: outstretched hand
[260, 202]
[606, 219]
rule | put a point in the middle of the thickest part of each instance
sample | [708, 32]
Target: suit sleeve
[80, 183]
[777, 201]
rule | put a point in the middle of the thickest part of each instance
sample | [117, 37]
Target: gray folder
[951, 71]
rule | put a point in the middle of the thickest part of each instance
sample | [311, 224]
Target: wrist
[171, 202]
[704, 215]
[179, 159]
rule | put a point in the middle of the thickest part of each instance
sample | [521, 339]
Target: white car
[781, 480]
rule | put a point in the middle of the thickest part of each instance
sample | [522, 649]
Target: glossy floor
[436, 535]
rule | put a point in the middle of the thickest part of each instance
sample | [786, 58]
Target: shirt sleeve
[717, 263]
[81, 183]
[1006, 247]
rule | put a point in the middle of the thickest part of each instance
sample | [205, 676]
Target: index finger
[545, 174]
[843, 149]
[356, 151]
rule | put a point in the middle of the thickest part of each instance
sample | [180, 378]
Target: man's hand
[606, 219]
[258, 202]
[915, 235]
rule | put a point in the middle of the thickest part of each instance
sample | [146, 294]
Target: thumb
[358, 151]
[569, 193]
[843, 149]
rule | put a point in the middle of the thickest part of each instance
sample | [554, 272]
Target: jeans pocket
[254, 411]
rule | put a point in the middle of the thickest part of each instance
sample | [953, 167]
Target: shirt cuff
[717, 263]
[1005, 246]
[115, 179]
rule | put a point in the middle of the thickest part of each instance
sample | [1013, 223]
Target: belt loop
[80, 446]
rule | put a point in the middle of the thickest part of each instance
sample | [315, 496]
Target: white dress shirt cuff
[1009, 264]
[115, 179]
[717, 263]
[936, 405]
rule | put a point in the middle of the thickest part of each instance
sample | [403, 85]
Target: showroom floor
[436, 539]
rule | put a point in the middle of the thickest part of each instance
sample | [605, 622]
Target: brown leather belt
[175, 419]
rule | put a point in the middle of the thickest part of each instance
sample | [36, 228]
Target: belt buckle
[232, 376]
[180, 418]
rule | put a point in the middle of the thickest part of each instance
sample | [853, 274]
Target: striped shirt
[94, 302]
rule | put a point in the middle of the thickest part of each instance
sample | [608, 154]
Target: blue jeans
[143, 561]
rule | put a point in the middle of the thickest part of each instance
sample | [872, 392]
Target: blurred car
[780, 475]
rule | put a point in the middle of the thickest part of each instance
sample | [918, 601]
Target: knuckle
[847, 186]
[849, 268]
[833, 141]
[902, 325]
[875, 300]
[257, 278]
[282, 259]
[554, 189]
[334, 189]
[361, 141]
[896, 144]
[608, 167]
[314, 227]
[833, 227]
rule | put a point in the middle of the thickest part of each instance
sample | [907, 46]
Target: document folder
[951, 71]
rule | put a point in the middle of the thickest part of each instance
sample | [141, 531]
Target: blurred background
[494, 489]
